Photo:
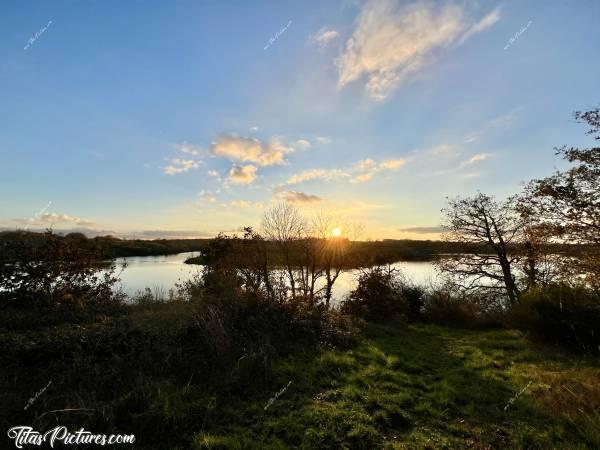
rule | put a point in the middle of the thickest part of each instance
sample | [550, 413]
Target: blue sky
[187, 118]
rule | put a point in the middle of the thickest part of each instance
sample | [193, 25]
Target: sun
[336, 232]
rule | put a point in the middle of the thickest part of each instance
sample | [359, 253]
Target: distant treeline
[364, 253]
[387, 251]
[391, 250]
[361, 253]
[109, 246]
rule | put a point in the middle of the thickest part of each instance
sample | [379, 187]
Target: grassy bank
[421, 386]
[143, 370]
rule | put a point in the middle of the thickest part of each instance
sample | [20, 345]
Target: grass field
[422, 386]
[400, 386]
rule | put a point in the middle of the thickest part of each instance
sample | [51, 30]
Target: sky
[158, 119]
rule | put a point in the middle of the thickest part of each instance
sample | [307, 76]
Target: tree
[312, 256]
[334, 251]
[568, 202]
[488, 230]
[539, 264]
[234, 264]
[256, 267]
[284, 225]
[49, 269]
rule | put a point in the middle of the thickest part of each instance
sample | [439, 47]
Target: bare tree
[337, 238]
[310, 251]
[285, 227]
[487, 229]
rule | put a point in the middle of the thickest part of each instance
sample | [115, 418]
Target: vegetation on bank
[364, 253]
[109, 247]
[228, 363]
[388, 251]
[163, 374]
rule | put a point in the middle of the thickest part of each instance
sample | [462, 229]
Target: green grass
[420, 386]
[401, 386]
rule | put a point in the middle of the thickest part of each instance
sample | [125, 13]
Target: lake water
[160, 273]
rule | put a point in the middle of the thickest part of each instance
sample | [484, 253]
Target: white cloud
[54, 218]
[146, 234]
[247, 204]
[302, 144]
[366, 164]
[323, 140]
[363, 177]
[299, 197]
[502, 121]
[64, 218]
[207, 196]
[391, 164]
[213, 173]
[190, 149]
[362, 171]
[368, 168]
[252, 150]
[391, 43]
[180, 165]
[477, 158]
[242, 174]
[505, 120]
[458, 166]
[482, 25]
[314, 174]
[442, 149]
[324, 37]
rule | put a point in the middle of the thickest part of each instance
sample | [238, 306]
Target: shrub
[254, 323]
[382, 294]
[415, 300]
[48, 270]
[561, 314]
[443, 306]
[242, 328]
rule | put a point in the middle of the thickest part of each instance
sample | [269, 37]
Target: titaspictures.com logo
[25, 435]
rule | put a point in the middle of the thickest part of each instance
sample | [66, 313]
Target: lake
[160, 273]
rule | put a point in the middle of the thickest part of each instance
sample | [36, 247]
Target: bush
[382, 294]
[253, 323]
[242, 327]
[444, 307]
[561, 314]
[48, 270]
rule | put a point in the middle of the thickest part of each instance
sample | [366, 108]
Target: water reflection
[421, 273]
[160, 273]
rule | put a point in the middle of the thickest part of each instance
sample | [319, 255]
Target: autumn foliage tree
[568, 201]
